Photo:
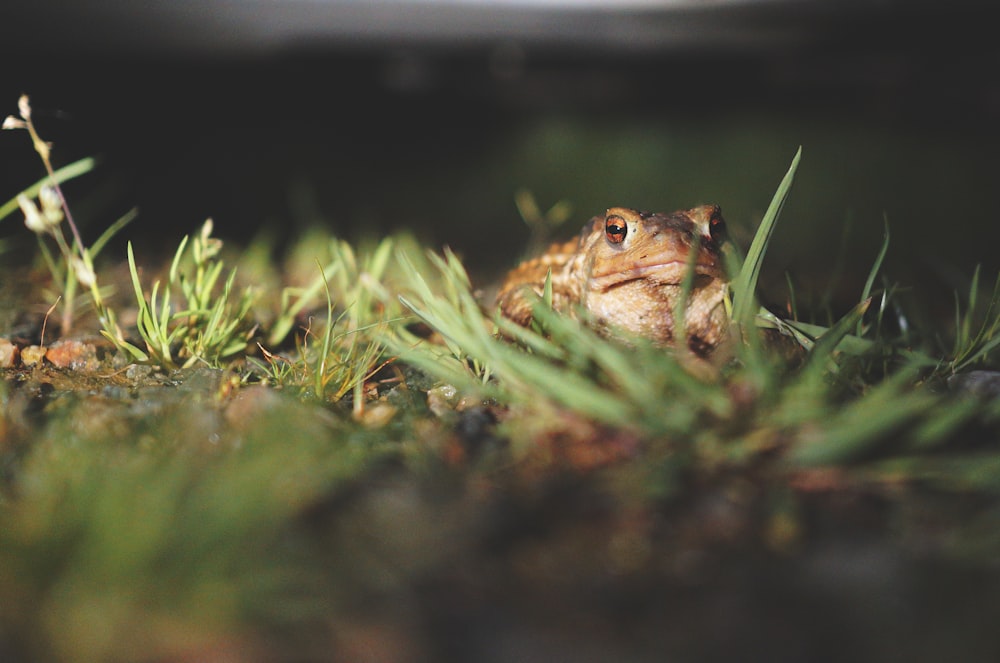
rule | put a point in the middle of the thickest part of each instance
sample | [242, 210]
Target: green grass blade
[65, 173]
[113, 230]
[827, 343]
[876, 266]
[745, 283]
[135, 352]
[140, 297]
[175, 263]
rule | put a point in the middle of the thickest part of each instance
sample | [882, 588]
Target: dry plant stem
[45, 321]
[43, 149]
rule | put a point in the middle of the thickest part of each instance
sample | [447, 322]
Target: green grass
[328, 337]
[208, 327]
[171, 535]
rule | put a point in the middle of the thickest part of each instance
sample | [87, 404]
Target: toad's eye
[717, 226]
[615, 229]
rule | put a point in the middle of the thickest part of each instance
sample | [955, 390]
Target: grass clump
[338, 350]
[208, 328]
[977, 331]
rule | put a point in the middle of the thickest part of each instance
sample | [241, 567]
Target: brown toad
[626, 270]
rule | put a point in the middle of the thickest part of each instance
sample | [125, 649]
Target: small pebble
[32, 355]
[8, 353]
[442, 399]
[377, 415]
[73, 355]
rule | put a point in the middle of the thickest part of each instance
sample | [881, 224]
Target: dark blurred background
[371, 116]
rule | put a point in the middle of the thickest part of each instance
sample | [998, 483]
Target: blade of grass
[827, 344]
[876, 266]
[745, 284]
[113, 230]
[64, 174]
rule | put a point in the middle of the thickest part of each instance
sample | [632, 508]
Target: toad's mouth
[672, 272]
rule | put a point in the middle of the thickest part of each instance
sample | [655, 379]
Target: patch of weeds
[210, 325]
[977, 330]
[337, 352]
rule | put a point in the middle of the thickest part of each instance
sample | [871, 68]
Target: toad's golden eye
[615, 229]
